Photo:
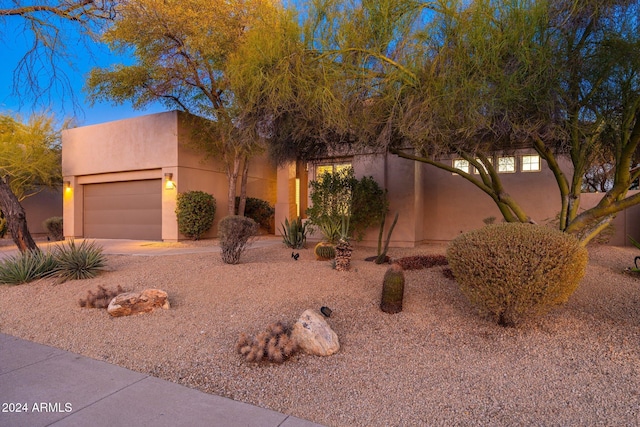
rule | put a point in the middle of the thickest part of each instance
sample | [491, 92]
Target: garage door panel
[124, 210]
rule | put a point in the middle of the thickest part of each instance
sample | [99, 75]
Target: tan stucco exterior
[435, 205]
[146, 148]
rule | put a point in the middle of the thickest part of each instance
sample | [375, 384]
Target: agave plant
[294, 233]
[78, 262]
[26, 267]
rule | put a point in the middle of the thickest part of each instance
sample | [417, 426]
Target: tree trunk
[232, 174]
[16, 219]
[243, 186]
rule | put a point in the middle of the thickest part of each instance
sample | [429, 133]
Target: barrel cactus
[324, 251]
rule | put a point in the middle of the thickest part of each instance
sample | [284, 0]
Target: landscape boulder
[130, 303]
[314, 336]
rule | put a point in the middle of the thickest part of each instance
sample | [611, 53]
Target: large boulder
[136, 303]
[314, 336]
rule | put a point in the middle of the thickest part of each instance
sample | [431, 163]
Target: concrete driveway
[145, 247]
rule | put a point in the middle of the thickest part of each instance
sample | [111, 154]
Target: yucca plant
[26, 267]
[75, 262]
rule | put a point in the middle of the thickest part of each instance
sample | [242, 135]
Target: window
[330, 168]
[461, 164]
[476, 171]
[506, 164]
[530, 163]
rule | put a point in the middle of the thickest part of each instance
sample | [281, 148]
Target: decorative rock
[137, 303]
[314, 336]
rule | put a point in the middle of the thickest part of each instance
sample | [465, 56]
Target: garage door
[124, 210]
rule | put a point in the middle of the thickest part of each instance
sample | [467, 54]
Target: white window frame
[526, 166]
[502, 164]
[456, 163]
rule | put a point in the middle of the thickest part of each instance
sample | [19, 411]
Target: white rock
[314, 335]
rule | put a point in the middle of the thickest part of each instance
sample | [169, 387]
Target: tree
[431, 80]
[30, 156]
[47, 25]
[183, 52]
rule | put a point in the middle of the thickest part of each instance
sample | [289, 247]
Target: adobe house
[121, 181]
[435, 205]
[121, 178]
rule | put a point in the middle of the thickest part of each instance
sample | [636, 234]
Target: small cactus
[324, 251]
[392, 290]
[101, 298]
[273, 345]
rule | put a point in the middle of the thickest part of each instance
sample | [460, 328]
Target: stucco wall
[41, 206]
[150, 147]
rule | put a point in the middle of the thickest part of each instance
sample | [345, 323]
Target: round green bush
[195, 211]
[513, 271]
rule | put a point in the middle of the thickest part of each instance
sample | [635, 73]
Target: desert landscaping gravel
[435, 363]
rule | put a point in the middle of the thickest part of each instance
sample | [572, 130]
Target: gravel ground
[435, 363]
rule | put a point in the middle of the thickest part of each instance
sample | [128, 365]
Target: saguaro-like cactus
[392, 290]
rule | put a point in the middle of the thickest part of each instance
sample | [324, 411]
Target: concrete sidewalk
[45, 386]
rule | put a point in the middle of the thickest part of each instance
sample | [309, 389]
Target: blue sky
[14, 43]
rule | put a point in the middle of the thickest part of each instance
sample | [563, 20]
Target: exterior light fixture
[67, 185]
[168, 181]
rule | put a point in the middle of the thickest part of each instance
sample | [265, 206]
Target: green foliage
[54, 227]
[392, 290]
[330, 229]
[78, 262]
[294, 233]
[258, 210]
[324, 251]
[234, 232]
[196, 211]
[66, 262]
[30, 153]
[26, 267]
[512, 271]
[335, 196]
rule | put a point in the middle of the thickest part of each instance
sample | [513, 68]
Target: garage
[123, 210]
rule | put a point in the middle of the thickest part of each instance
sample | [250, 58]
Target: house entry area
[123, 210]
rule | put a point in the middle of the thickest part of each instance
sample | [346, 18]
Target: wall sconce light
[67, 186]
[168, 181]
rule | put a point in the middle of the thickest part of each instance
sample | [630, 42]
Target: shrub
[54, 227]
[294, 233]
[258, 210]
[78, 262]
[512, 271]
[235, 232]
[196, 211]
[335, 195]
[26, 267]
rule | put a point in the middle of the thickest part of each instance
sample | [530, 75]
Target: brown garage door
[123, 210]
